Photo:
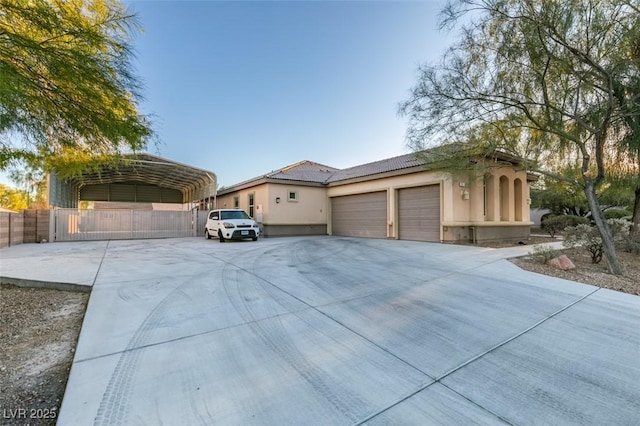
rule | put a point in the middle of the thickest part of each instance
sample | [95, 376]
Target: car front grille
[243, 226]
[238, 234]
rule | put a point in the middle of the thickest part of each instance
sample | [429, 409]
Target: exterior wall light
[277, 200]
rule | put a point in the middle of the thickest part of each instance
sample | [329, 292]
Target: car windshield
[234, 214]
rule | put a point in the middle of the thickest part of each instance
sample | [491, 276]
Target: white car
[231, 224]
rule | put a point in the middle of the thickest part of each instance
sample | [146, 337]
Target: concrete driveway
[339, 331]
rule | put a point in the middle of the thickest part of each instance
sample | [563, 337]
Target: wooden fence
[28, 226]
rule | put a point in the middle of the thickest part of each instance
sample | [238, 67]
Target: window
[213, 216]
[251, 204]
[293, 196]
[236, 202]
[224, 215]
[484, 197]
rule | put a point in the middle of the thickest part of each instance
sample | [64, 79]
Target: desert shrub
[542, 254]
[576, 220]
[588, 237]
[585, 236]
[553, 224]
[631, 244]
[546, 216]
[619, 228]
[617, 214]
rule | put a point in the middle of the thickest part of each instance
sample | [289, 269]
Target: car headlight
[255, 225]
[228, 225]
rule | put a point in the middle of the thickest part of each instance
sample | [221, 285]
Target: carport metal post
[194, 222]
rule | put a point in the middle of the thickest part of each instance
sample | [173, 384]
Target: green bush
[588, 237]
[553, 224]
[631, 244]
[542, 254]
[617, 214]
[577, 220]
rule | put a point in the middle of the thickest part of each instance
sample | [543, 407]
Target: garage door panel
[361, 215]
[419, 213]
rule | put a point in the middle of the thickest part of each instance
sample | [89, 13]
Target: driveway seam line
[420, 389]
[177, 339]
[464, 364]
[100, 266]
[326, 316]
[475, 358]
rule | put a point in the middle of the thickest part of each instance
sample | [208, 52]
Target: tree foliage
[32, 182]
[536, 79]
[562, 198]
[66, 80]
[13, 199]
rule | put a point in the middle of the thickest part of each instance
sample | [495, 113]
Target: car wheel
[220, 237]
[206, 234]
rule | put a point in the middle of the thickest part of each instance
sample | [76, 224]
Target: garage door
[419, 213]
[361, 215]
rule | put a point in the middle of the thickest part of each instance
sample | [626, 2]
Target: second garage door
[419, 213]
[361, 215]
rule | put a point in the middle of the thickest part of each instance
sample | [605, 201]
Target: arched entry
[517, 199]
[504, 198]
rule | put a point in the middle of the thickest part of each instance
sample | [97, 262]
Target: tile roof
[305, 171]
[309, 171]
[405, 161]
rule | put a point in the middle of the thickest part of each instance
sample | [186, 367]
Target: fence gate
[203, 215]
[84, 225]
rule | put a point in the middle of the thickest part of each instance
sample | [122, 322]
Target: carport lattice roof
[153, 170]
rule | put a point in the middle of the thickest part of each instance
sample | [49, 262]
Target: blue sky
[242, 88]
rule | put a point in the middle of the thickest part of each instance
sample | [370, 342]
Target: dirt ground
[39, 330]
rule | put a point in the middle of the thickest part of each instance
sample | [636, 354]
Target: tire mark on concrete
[275, 337]
[114, 406]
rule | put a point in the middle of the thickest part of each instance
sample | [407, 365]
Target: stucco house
[397, 198]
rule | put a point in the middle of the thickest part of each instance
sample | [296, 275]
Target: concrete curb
[20, 282]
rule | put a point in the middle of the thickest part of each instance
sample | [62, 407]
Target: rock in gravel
[562, 262]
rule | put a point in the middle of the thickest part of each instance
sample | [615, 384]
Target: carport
[136, 178]
[131, 198]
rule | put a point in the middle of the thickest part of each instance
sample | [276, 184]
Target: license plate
[244, 232]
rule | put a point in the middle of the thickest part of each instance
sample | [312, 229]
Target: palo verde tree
[537, 78]
[627, 92]
[67, 81]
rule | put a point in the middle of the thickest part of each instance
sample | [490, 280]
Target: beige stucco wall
[260, 193]
[309, 209]
[462, 201]
[502, 199]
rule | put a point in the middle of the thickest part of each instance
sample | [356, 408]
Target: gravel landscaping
[39, 330]
[590, 273]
